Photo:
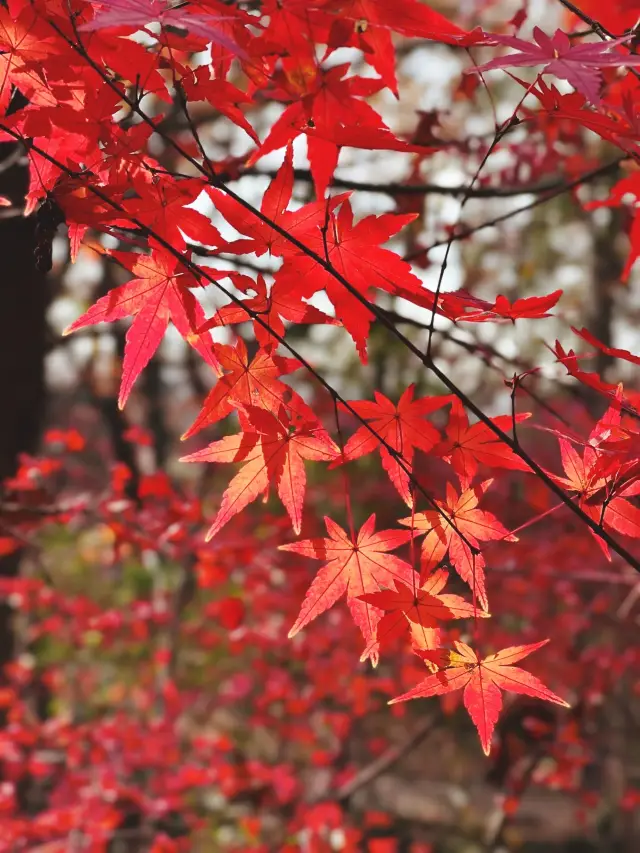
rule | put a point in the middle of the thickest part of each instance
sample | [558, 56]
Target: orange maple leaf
[247, 383]
[421, 609]
[457, 528]
[482, 680]
[273, 449]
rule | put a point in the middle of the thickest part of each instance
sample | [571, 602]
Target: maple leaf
[367, 24]
[482, 681]
[624, 354]
[271, 305]
[421, 609]
[573, 107]
[137, 14]
[529, 308]
[465, 446]
[456, 305]
[248, 383]
[26, 43]
[402, 427]
[161, 205]
[273, 449]
[455, 528]
[159, 293]
[618, 16]
[262, 236]
[325, 100]
[353, 567]
[354, 252]
[626, 192]
[224, 96]
[600, 495]
[592, 380]
[579, 64]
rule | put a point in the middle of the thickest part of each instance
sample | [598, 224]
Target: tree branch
[423, 189]
[388, 758]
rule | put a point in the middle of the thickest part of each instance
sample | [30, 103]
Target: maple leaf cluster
[86, 72]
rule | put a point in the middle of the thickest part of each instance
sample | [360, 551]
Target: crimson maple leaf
[573, 107]
[422, 609]
[224, 96]
[624, 354]
[402, 427]
[579, 64]
[26, 42]
[592, 380]
[456, 528]
[603, 489]
[325, 100]
[465, 446]
[272, 305]
[529, 308]
[159, 293]
[327, 106]
[273, 449]
[262, 236]
[367, 24]
[482, 681]
[161, 206]
[626, 192]
[353, 566]
[354, 252]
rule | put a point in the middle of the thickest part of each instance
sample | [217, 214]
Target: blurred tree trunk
[23, 301]
[607, 270]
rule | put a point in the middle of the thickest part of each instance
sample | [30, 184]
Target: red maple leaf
[572, 107]
[160, 204]
[421, 609]
[137, 14]
[592, 380]
[353, 566]
[603, 489]
[403, 427]
[367, 24]
[262, 236]
[529, 308]
[222, 95]
[327, 101]
[273, 449]
[25, 42]
[354, 252]
[624, 354]
[272, 305]
[464, 446]
[159, 293]
[626, 192]
[482, 681]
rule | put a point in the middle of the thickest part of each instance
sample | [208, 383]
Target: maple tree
[269, 291]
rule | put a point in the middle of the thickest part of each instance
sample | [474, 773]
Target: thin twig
[389, 757]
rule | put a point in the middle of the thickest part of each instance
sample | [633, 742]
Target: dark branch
[425, 189]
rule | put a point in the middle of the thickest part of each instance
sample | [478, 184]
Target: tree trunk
[23, 301]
